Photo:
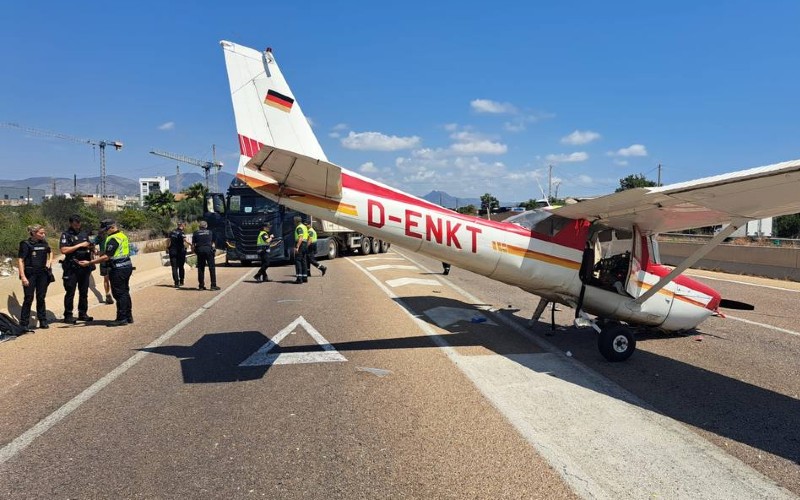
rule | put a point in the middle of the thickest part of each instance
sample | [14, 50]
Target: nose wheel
[616, 342]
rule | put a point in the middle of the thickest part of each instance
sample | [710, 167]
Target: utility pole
[214, 161]
[54, 187]
[28, 199]
[177, 178]
[659, 175]
[74, 185]
[549, 182]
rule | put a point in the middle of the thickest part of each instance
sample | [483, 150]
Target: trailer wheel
[385, 245]
[366, 245]
[616, 342]
[376, 245]
[333, 249]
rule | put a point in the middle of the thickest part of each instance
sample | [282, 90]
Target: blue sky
[465, 97]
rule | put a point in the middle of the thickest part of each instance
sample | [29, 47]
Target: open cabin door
[636, 276]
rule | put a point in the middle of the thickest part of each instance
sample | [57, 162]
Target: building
[149, 185]
[21, 196]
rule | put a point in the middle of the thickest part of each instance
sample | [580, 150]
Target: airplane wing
[757, 193]
[296, 173]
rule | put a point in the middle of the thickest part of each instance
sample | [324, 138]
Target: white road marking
[412, 281]
[572, 416]
[446, 316]
[770, 327]
[262, 356]
[362, 259]
[392, 266]
[24, 440]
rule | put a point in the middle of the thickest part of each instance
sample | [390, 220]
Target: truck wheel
[385, 245]
[333, 249]
[366, 245]
[376, 245]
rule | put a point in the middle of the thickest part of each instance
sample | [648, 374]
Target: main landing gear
[616, 341]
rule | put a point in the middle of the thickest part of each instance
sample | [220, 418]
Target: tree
[634, 181]
[162, 203]
[469, 210]
[190, 209]
[489, 203]
[787, 226]
[56, 210]
[132, 218]
[196, 191]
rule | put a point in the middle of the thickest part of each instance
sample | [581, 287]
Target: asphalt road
[386, 380]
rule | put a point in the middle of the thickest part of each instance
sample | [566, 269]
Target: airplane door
[635, 279]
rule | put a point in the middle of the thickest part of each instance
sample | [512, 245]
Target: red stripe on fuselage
[661, 271]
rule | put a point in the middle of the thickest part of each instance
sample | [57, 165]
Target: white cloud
[167, 126]
[580, 137]
[492, 107]
[632, 150]
[479, 147]
[368, 168]
[339, 127]
[622, 163]
[567, 158]
[376, 141]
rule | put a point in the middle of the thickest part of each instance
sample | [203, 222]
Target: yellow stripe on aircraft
[501, 247]
[272, 188]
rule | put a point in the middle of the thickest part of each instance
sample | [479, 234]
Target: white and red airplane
[598, 256]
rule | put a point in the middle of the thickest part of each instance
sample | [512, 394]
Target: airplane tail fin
[266, 112]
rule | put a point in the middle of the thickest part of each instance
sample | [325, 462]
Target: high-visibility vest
[312, 235]
[263, 236]
[123, 251]
[301, 231]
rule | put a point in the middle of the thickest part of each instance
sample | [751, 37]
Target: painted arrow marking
[412, 281]
[391, 266]
[263, 357]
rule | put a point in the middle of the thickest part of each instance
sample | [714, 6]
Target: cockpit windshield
[246, 205]
[540, 221]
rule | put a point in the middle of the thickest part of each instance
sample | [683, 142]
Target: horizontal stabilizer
[295, 173]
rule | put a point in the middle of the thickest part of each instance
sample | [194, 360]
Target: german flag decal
[278, 100]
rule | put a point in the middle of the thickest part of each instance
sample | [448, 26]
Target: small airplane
[598, 256]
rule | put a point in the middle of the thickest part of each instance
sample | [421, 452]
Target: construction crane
[207, 166]
[92, 142]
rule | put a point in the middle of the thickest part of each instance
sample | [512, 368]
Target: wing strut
[692, 259]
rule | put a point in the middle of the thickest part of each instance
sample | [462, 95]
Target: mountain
[115, 184]
[447, 201]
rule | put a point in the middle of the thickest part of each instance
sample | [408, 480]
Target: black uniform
[177, 255]
[203, 241]
[35, 255]
[75, 275]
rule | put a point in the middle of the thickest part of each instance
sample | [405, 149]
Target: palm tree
[196, 191]
[162, 203]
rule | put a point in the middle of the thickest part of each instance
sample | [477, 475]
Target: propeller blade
[735, 304]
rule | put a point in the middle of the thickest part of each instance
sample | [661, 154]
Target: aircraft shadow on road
[731, 408]
[216, 357]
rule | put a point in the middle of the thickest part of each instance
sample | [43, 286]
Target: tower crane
[92, 142]
[205, 165]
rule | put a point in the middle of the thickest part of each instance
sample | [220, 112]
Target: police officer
[203, 246]
[176, 247]
[75, 245]
[35, 261]
[300, 250]
[263, 242]
[312, 251]
[117, 254]
[100, 249]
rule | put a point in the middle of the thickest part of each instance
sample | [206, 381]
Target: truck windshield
[244, 205]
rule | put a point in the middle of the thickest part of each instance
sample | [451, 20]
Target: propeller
[735, 304]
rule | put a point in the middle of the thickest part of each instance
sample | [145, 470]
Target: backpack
[10, 326]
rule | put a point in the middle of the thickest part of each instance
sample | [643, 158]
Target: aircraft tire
[616, 342]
